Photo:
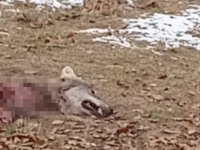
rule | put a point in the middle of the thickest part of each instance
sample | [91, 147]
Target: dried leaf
[3, 145]
[101, 136]
[35, 25]
[70, 35]
[143, 128]
[168, 131]
[123, 85]
[8, 57]
[122, 130]
[157, 97]
[51, 138]
[153, 120]
[149, 4]
[181, 119]
[31, 72]
[57, 122]
[16, 140]
[72, 142]
[191, 131]
[164, 76]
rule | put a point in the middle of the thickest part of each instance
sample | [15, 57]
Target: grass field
[156, 96]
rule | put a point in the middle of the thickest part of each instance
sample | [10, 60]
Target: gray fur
[78, 97]
[68, 94]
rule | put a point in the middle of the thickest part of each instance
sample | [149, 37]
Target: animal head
[78, 97]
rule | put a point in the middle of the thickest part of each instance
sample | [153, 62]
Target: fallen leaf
[191, 93]
[45, 145]
[122, 130]
[153, 120]
[164, 76]
[31, 72]
[8, 57]
[16, 140]
[72, 142]
[181, 119]
[174, 58]
[4, 33]
[92, 21]
[157, 53]
[123, 85]
[3, 145]
[191, 131]
[168, 131]
[66, 131]
[35, 25]
[101, 136]
[157, 97]
[51, 138]
[143, 128]
[149, 4]
[71, 34]
[57, 122]
[181, 103]
[153, 84]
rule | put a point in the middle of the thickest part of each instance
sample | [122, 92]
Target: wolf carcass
[68, 94]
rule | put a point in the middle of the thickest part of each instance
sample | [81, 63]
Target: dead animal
[68, 94]
[78, 97]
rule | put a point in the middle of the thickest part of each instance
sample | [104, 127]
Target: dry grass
[156, 96]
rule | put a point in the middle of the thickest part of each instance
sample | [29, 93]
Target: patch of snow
[75, 2]
[114, 40]
[51, 3]
[4, 3]
[172, 30]
[96, 31]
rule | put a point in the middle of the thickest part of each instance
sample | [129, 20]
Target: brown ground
[156, 97]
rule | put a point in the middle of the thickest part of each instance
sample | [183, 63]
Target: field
[154, 92]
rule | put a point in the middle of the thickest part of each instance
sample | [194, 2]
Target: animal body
[68, 94]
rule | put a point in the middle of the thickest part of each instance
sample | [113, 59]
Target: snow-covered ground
[51, 3]
[172, 30]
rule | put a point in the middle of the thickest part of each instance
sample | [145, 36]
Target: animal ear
[69, 78]
[67, 72]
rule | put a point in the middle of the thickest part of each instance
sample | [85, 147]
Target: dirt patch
[156, 96]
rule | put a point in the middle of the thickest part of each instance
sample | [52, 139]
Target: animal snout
[99, 111]
[107, 112]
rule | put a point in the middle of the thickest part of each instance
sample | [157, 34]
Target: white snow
[51, 3]
[114, 40]
[96, 31]
[172, 30]
[4, 3]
